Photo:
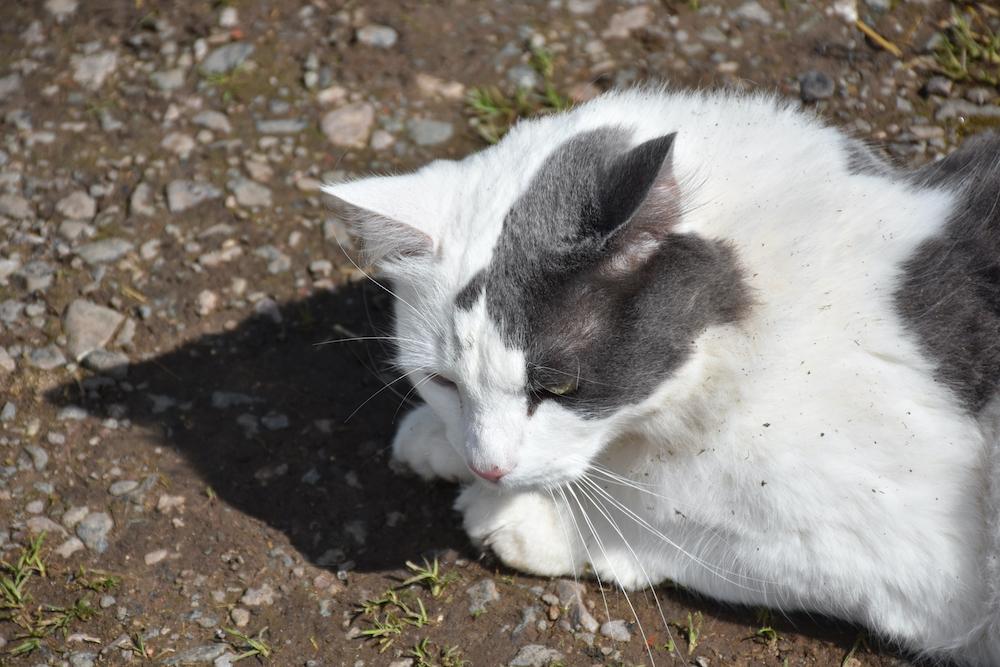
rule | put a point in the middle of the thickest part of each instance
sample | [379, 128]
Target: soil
[286, 485]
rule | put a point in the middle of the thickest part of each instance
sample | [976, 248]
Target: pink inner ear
[645, 232]
[383, 238]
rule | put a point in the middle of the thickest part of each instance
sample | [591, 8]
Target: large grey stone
[89, 327]
[535, 655]
[17, 207]
[77, 206]
[103, 251]
[92, 71]
[427, 132]
[93, 531]
[226, 58]
[349, 126]
[182, 195]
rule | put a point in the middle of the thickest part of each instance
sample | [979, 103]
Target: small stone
[427, 132]
[39, 457]
[60, 9]
[74, 515]
[927, 132]
[167, 503]
[198, 655]
[93, 531]
[104, 251]
[815, 85]
[752, 11]
[431, 86]
[963, 109]
[107, 600]
[77, 206]
[255, 597]
[8, 412]
[250, 193]
[16, 207]
[281, 126]
[69, 547]
[240, 616]
[93, 70]
[379, 36]
[535, 655]
[523, 76]
[141, 201]
[979, 95]
[46, 358]
[939, 85]
[213, 120]
[179, 144]
[89, 327]
[321, 267]
[168, 80]
[481, 594]
[349, 126]
[226, 58]
[154, 557]
[277, 261]
[616, 630]
[582, 6]
[122, 487]
[9, 85]
[624, 22]
[208, 301]
[36, 275]
[42, 524]
[229, 17]
[182, 195]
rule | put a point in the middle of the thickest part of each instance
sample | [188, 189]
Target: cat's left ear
[638, 201]
[396, 217]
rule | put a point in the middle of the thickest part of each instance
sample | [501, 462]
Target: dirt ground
[210, 480]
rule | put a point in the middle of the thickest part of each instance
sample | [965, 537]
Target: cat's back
[950, 291]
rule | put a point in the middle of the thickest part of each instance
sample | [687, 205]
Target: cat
[704, 337]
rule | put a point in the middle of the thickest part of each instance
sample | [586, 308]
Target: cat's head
[544, 295]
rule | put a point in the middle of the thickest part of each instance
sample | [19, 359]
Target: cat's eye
[562, 388]
[442, 381]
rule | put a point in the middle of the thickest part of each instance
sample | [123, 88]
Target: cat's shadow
[295, 433]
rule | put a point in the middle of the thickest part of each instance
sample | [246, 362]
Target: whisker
[590, 558]
[386, 386]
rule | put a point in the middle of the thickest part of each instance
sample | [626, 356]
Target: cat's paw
[525, 530]
[421, 445]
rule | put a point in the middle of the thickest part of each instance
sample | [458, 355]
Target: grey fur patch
[589, 280]
[862, 159]
[950, 294]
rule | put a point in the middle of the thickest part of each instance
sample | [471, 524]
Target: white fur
[803, 459]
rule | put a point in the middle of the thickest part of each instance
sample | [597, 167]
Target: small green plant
[27, 647]
[137, 645]
[247, 646]
[494, 112]
[692, 631]
[969, 50]
[429, 576]
[60, 618]
[14, 576]
[388, 615]
[96, 580]
[425, 656]
[765, 634]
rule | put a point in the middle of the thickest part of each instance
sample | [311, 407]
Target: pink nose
[491, 474]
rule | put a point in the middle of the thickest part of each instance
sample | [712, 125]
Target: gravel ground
[186, 475]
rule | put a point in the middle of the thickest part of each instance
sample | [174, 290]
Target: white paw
[524, 529]
[421, 445]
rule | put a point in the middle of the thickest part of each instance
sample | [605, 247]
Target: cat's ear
[394, 216]
[639, 204]
[635, 183]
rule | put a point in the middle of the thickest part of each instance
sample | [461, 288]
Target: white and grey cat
[705, 338]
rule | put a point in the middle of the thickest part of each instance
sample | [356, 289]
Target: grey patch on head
[590, 281]
[950, 294]
[468, 295]
[863, 159]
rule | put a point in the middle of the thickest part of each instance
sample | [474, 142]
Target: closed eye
[442, 381]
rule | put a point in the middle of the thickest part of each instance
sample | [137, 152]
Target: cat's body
[789, 348]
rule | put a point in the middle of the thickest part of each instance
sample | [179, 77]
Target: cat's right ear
[394, 216]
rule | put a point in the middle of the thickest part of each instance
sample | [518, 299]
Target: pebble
[616, 630]
[17, 207]
[74, 515]
[277, 261]
[535, 655]
[69, 547]
[111, 364]
[92, 71]
[179, 144]
[60, 9]
[255, 597]
[77, 206]
[349, 126]
[39, 457]
[815, 85]
[122, 487]
[141, 201]
[979, 95]
[42, 524]
[93, 531]
[427, 132]
[582, 6]
[523, 76]
[281, 126]
[481, 594]
[432, 86]
[226, 58]
[240, 616]
[752, 11]
[183, 195]
[46, 358]
[8, 412]
[89, 327]
[379, 36]
[571, 595]
[198, 655]
[104, 251]
[249, 193]
[9, 85]
[207, 302]
[213, 120]
[939, 85]
[229, 17]
[168, 80]
[154, 557]
[964, 109]
[624, 22]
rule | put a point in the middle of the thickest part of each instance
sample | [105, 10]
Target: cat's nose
[491, 474]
